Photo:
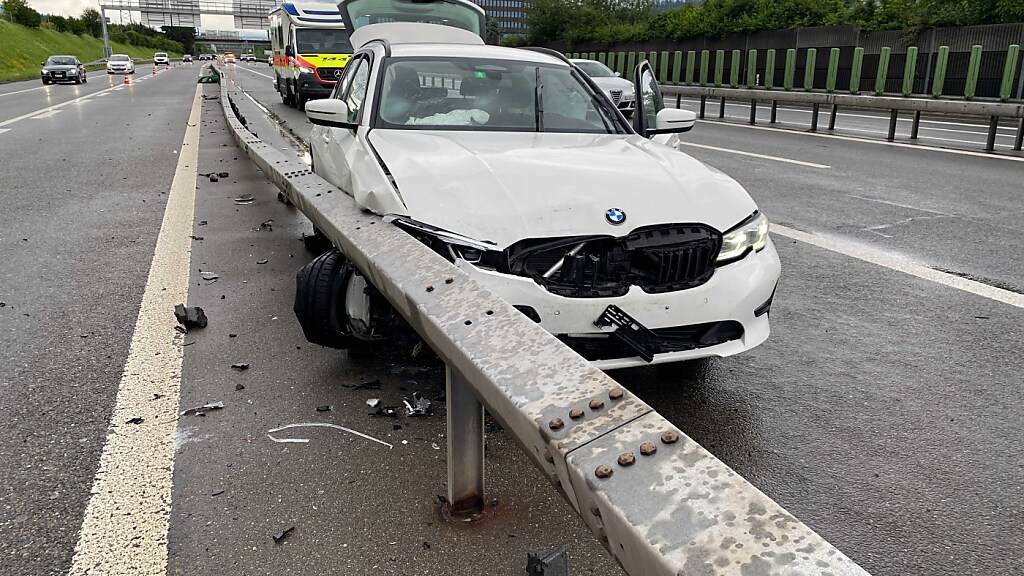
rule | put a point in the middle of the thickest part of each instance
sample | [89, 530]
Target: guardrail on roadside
[658, 501]
[993, 111]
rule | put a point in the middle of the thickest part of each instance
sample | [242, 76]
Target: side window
[341, 88]
[353, 85]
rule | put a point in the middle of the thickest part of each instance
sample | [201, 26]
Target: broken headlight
[751, 234]
[452, 245]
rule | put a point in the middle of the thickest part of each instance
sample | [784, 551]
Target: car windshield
[322, 41]
[119, 58]
[595, 69]
[60, 61]
[495, 95]
[160, 55]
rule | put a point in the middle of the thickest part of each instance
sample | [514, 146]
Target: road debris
[240, 366]
[386, 412]
[190, 316]
[239, 386]
[419, 406]
[373, 402]
[245, 199]
[263, 261]
[553, 562]
[279, 536]
[202, 410]
[371, 385]
[318, 425]
[325, 408]
[267, 225]
[210, 277]
[217, 493]
[136, 420]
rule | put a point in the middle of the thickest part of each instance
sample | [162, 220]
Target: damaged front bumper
[708, 314]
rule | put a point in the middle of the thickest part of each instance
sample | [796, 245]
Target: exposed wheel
[78, 80]
[319, 300]
[85, 79]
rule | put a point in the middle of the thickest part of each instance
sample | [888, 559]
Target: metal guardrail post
[1020, 135]
[915, 125]
[993, 126]
[787, 80]
[833, 70]
[769, 69]
[465, 445]
[734, 69]
[941, 62]
[703, 105]
[832, 117]
[909, 71]
[753, 111]
[775, 109]
[893, 117]
[973, 67]
[815, 110]
[705, 56]
[752, 68]
[677, 66]
[719, 66]
[721, 107]
[809, 65]
[663, 63]
[883, 70]
[691, 60]
[1009, 71]
[855, 69]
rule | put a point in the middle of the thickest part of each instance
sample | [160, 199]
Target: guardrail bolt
[616, 393]
[576, 413]
[596, 404]
[556, 424]
[669, 437]
[648, 448]
[604, 471]
[627, 459]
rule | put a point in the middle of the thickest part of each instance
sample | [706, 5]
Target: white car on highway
[120, 64]
[616, 88]
[512, 164]
[161, 59]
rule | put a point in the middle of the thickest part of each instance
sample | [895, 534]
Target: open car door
[457, 13]
[651, 117]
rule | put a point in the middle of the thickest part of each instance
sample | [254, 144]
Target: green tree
[492, 34]
[185, 35]
[19, 12]
[90, 19]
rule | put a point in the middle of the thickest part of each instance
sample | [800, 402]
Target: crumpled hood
[507, 186]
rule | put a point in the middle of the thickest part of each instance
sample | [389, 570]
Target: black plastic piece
[629, 331]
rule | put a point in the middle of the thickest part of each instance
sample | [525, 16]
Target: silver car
[619, 90]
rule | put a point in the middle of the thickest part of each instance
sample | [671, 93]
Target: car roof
[466, 51]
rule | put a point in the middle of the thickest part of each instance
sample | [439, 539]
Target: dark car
[63, 69]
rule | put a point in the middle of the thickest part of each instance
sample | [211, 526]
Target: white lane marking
[124, 531]
[2, 130]
[23, 91]
[47, 114]
[871, 141]
[259, 73]
[755, 155]
[54, 107]
[899, 263]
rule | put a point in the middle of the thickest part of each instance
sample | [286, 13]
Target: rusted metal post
[893, 116]
[993, 126]
[465, 445]
[916, 125]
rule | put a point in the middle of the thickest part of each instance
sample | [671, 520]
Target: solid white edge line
[989, 155]
[259, 73]
[124, 530]
[898, 263]
[755, 155]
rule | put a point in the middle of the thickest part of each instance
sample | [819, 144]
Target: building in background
[510, 14]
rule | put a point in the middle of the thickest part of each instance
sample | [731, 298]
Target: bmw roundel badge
[614, 216]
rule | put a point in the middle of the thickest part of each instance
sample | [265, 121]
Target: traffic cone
[154, 69]
[127, 80]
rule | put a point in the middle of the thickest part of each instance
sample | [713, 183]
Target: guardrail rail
[658, 501]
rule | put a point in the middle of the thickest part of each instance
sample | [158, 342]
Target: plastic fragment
[202, 410]
[419, 406]
[245, 199]
[279, 536]
[240, 366]
[190, 316]
[318, 425]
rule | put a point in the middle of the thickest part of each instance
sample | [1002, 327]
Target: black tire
[300, 100]
[319, 300]
[46, 83]
[85, 79]
[286, 95]
[78, 80]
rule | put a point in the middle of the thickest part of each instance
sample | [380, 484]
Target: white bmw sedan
[515, 166]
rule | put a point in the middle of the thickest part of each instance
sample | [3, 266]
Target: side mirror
[42, 63]
[329, 112]
[673, 121]
[289, 51]
[618, 74]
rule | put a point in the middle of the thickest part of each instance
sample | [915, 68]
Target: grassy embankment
[22, 49]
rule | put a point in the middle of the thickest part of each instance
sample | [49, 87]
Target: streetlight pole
[106, 39]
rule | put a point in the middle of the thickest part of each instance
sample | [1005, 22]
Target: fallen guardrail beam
[993, 111]
[659, 502]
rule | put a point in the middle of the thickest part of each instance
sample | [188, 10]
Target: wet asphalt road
[885, 411]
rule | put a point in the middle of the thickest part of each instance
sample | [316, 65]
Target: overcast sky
[63, 7]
